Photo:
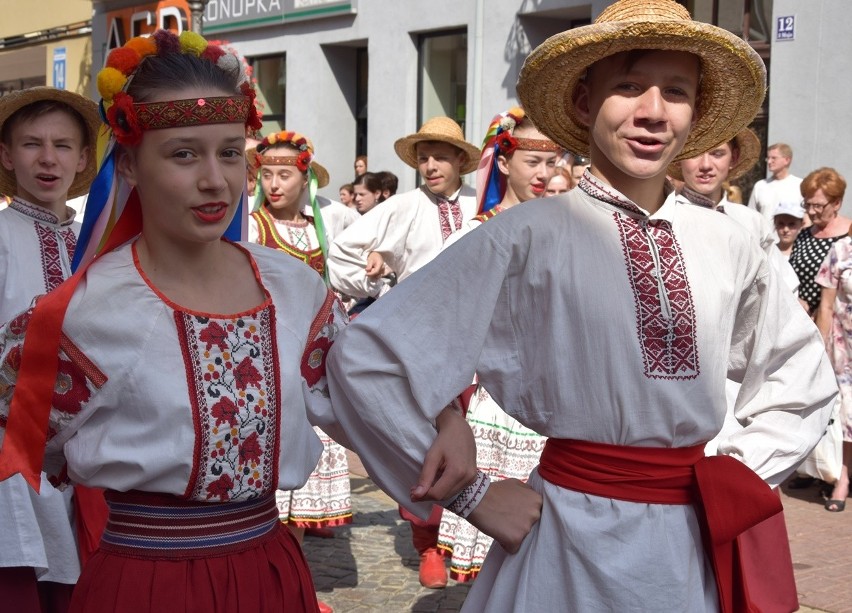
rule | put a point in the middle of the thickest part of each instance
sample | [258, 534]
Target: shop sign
[227, 15]
[142, 20]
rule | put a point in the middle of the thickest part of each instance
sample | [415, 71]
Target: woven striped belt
[164, 527]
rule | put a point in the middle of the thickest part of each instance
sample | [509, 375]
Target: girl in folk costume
[289, 219]
[176, 369]
[516, 164]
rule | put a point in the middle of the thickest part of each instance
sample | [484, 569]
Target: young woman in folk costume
[176, 369]
[288, 218]
[517, 162]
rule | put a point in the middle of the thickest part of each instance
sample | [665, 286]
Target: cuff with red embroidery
[470, 497]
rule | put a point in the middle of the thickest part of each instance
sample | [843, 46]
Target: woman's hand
[507, 513]
[375, 265]
[450, 463]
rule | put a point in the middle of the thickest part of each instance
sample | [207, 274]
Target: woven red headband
[129, 119]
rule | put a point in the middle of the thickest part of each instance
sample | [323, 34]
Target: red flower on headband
[212, 53]
[124, 59]
[123, 121]
[254, 120]
[303, 162]
[506, 143]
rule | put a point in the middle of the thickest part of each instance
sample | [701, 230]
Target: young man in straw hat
[47, 141]
[703, 177]
[405, 233]
[627, 382]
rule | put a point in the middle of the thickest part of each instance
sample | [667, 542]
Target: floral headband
[506, 143]
[129, 119]
[302, 161]
[499, 140]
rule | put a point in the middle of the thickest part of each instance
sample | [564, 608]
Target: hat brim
[88, 110]
[406, 149]
[321, 173]
[749, 146]
[731, 91]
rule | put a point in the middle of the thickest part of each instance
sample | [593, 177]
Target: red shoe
[324, 608]
[433, 573]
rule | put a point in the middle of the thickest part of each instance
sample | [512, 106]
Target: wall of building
[321, 60]
[31, 42]
[811, 92]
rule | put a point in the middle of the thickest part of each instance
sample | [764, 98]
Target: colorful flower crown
[129, 119]
[302, 161]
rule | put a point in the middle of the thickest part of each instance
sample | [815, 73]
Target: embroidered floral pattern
[51, 257]
[665, 314]
[233, 380]
[450, 216]
[326, 325]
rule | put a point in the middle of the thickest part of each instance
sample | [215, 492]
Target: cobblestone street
[371, 566]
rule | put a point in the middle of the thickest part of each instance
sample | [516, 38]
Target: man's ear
[580, 99]
[85, 152]
[126, 165]
[735, 157]
[6, 157]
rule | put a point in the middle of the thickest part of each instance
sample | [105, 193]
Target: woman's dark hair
[372, 182]
[390, 182]
[177, 71]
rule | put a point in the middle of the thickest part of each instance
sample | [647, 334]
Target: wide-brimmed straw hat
[731, 89]
[14, 101]
[441, 129]
[749, 145]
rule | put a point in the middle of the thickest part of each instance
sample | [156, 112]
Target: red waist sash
[729, 498]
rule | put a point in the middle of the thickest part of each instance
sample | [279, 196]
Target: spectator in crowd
[834, 320]
[733, 192]
[788, 223]
[346, 194]
[559, 183]
[360, 165]
[579, 166]
[368, 192]
[390, 183]
[780, 186]
[823, 192]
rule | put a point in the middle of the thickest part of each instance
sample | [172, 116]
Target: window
[362, 71]
[442, 83]
[271, 75]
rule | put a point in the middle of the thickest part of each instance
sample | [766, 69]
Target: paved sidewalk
[371, 565]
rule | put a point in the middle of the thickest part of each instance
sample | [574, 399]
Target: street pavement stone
[371, 565]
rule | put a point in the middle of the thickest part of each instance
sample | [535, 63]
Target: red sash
[741, 516]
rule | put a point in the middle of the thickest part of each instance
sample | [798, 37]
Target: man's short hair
[782, 148]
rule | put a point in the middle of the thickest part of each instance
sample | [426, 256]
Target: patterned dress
[836, 272]
[806, 258]
[325, 499]
[505, 449]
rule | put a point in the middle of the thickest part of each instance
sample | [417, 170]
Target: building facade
[355, 75]
[46, 43]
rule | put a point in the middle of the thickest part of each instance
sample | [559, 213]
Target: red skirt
[163, 555]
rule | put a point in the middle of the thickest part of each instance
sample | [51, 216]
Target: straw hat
[442, 129]
[749, 146]
[14, 101]
[733, 77]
